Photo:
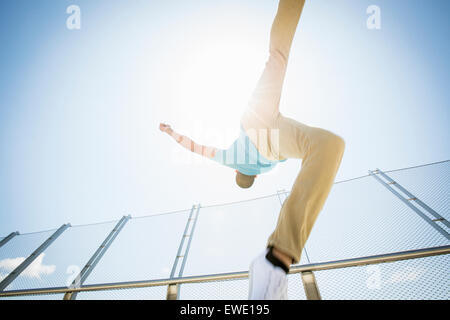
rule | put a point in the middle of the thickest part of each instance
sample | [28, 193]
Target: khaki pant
[320, 150]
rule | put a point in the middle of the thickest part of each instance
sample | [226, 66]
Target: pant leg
[322, 153]
[263, 106]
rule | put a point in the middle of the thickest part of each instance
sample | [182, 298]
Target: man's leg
[267, 274]
[322, 153]
[263, 107]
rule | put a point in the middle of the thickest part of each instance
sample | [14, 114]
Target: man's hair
[244, 181]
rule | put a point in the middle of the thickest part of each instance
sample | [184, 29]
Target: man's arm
[189, 144]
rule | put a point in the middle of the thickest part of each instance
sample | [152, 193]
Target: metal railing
[362, 261]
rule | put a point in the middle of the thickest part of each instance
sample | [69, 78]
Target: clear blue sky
[79, 138]
[80, 109]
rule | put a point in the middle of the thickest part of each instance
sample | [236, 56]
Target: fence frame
[17, 271]
[8, 238]
[329, 265]
[390, 186]
[173, 291]
[173, 283]
[96, 257]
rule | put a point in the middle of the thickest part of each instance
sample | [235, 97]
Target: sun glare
[216, 84]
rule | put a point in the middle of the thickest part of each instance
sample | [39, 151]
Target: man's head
[244, 181]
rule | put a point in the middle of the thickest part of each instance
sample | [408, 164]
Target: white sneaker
[267, 282]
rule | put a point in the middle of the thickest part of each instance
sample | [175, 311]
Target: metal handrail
[338, 264]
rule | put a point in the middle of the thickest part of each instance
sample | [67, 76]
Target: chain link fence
[206, 250]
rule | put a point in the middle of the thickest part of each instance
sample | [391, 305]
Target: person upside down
[266, 138]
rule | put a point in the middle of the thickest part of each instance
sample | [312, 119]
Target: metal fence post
[93, 261]
[310, 286]
[411, 197]
[280, 192]
[17, 271]
[180, 248]
[173, 289]
[172, 292]
[9, 237]
[189, 242]
[390, 184]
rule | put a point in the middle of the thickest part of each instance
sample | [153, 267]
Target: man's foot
[267, 282]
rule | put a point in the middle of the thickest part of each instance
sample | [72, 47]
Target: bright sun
[216, 84]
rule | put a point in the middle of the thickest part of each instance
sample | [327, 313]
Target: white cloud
[11, 264]
[34, 270]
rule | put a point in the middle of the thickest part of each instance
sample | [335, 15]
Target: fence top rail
[419, 166]
[234, 202]
[329, 265]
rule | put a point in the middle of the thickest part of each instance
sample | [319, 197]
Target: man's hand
[187, 143]
[165, 128]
